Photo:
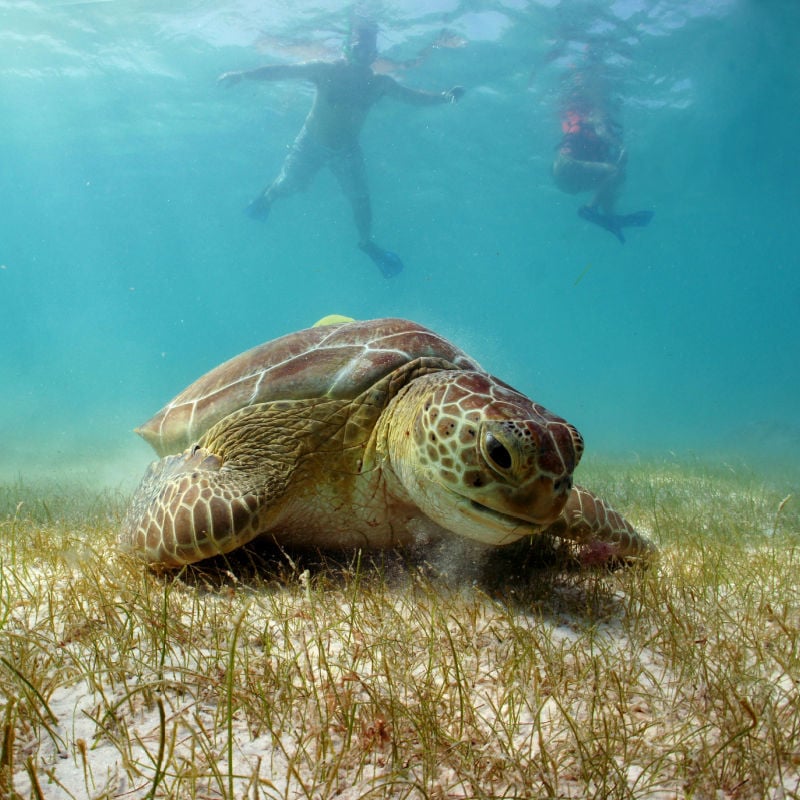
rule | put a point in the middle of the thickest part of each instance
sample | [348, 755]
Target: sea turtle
[360, 434]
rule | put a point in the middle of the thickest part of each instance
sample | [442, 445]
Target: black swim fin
[639, 219]
[609, 222]
[614, 223]
[259, 209]
[388, 263]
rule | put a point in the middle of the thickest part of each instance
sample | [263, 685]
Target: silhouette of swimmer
[591, 157]
[346, 89]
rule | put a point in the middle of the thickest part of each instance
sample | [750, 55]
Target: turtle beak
[539, 502]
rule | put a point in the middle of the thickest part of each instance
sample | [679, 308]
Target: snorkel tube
[361, 44]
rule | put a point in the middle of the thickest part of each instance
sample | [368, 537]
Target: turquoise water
[129, 268]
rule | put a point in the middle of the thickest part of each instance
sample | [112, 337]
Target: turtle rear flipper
[187, 508]
[606, 536]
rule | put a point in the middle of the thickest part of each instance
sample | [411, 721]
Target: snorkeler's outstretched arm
[308, 70]
[418, 97]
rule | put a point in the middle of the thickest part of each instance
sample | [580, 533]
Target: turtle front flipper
[187, 508]
[606, 536]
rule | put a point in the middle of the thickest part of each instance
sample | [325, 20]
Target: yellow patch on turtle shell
[332, 319]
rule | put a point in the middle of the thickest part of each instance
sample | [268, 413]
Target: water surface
[129, 268]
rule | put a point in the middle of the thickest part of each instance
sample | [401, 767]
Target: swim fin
[388, 263]
[636, 220]
[259, 208]
[614, 223]
[608, 221]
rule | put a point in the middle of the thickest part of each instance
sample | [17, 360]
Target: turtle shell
[338, 361]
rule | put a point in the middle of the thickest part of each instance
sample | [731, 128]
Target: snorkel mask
[361, 46]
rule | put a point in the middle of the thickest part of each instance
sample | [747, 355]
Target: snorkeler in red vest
[591, 157]
[346, 89]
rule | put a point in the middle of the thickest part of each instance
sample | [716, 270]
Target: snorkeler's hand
[454, 95]
[229, 78]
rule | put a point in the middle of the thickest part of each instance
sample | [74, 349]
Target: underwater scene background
[128, 268]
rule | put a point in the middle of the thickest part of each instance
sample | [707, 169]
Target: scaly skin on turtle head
[478, 457]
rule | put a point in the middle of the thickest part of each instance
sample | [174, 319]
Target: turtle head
[479, 458]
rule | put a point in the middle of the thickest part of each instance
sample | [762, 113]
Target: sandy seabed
[445, 677]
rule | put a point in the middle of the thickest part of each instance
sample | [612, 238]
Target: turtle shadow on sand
[541, 574]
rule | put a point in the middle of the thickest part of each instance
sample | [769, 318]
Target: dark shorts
[307, 156]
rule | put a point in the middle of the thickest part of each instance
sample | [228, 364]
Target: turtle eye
[496, 452]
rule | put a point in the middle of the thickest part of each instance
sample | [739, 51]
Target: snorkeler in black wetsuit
[346, 89]
[591, 157]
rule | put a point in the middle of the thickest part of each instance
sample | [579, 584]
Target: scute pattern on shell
[338, 361]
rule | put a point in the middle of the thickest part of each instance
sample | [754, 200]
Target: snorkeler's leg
[609, 189]
[301, 164]
[362, 216]
[388, 263]
[285, 184]
[572, 175]
[350, 172]
[601, 209]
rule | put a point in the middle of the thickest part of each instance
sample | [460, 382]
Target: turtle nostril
[563, 484]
